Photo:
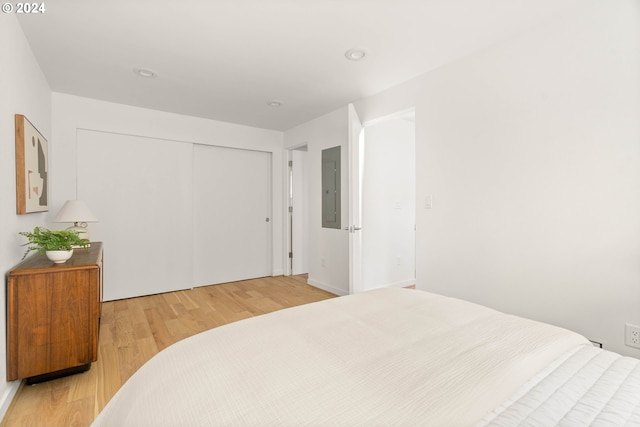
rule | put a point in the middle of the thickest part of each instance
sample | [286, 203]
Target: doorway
[388, 201]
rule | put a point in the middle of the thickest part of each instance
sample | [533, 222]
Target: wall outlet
[632, 335]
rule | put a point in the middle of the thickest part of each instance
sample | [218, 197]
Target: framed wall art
[32, 168]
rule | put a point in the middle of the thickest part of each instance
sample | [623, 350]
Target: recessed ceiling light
[355, 54]
[274, 103]
[143, 72]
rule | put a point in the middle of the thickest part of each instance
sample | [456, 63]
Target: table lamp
[77, 212]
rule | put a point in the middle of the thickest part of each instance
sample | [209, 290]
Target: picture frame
[32, 168]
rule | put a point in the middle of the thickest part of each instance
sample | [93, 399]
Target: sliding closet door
[232, 214]
[141, 191]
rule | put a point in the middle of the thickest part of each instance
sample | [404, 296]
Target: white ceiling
[224, 59]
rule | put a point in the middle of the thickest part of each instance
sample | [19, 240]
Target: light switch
[428, 201]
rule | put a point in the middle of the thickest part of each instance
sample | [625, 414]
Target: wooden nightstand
[53, 315]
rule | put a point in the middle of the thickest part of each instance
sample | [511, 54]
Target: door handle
[352, 229]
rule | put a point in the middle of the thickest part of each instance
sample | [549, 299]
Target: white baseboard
[7, 397]
[326, 287]
[341, 292]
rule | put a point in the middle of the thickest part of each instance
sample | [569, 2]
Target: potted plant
[58, 245]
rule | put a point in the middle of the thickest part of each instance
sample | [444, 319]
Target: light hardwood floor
[133, 330]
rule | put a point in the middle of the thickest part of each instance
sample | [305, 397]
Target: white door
[140, 190]
[355, 202]
[232, 214]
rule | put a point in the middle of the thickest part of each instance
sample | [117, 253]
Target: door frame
[354, 227]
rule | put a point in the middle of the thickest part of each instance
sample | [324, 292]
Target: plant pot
[59, 257]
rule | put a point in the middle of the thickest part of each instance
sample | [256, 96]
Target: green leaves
[42, 240]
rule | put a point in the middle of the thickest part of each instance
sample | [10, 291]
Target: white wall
[388, 204]
[24, 91]
[72, 114]
[328, 248]
[531, 150]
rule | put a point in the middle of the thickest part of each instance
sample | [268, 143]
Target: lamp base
[81, 228]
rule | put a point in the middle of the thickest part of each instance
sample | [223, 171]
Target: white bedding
[384, 357]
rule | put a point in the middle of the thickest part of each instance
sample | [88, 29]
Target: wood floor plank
[108, 378]
[134, 330]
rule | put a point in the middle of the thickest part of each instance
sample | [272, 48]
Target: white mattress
[385, 357]
[586, 387]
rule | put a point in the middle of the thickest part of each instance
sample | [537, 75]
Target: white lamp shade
[75, 211]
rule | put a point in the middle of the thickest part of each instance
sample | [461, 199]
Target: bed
[383, 357]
